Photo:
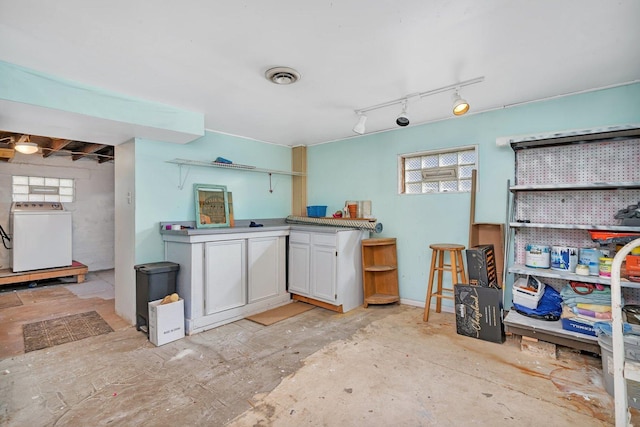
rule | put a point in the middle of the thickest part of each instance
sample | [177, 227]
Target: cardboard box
[166, 322]
[479, 312]
[481, 266]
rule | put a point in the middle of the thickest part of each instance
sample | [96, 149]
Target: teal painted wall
[158, 196]
[24, 85]
[366, 168]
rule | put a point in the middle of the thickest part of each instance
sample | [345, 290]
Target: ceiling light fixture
[403, 119]
[282, 75]
[25, 146]
[359, 127]
[460, 107]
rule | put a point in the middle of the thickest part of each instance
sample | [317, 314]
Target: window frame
[402, 158]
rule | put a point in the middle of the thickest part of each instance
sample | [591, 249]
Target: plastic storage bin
[316, 211]
[153, 281]
[528, 291]
[631, 353]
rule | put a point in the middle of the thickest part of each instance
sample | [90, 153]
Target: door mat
[277, 314]
[10, 299]
[47, 333]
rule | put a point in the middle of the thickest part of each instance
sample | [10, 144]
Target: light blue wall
[365, 168]
[159, 198]
[27, 86]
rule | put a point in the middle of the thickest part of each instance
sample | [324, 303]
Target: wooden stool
[456, 266]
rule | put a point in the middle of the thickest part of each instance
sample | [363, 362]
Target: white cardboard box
[166, 322]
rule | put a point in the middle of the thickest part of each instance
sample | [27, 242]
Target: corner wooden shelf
[380, 271]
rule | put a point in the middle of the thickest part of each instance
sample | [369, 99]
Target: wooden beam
[88, 149]
[56, 145]
[299, 183]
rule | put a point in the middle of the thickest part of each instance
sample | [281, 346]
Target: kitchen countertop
[242, 226]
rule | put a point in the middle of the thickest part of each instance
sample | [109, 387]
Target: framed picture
[212, 206]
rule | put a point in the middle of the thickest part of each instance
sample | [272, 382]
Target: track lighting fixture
[359, 127]
[403, 119]
[25, 146]
[460, 106]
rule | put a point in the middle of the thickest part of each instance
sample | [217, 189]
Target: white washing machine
[41, 236]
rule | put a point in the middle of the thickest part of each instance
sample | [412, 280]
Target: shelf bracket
[182, 180]
[270, 187]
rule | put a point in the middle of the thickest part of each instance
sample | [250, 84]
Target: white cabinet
[325, 267]
[226, 276]
[266, 267]
[299, 263]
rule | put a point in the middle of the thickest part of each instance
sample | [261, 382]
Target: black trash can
[154, 281]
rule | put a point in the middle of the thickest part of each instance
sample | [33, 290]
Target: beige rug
[47, 333]
[277, 314]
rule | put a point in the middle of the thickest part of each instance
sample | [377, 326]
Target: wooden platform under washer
[76, 269]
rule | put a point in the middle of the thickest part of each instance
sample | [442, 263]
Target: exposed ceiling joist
[50, 146]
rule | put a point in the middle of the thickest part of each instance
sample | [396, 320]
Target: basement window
[437, 171]
[41, 189]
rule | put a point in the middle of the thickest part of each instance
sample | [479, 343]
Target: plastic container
[154, 281]
[591, 258]
[605, 267]
[631, 353]
[316, 211]
[528, 292]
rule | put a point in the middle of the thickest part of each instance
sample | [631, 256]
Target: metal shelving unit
[619, 228]
[548, 207]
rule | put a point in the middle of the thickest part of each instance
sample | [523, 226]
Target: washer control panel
[36, 206]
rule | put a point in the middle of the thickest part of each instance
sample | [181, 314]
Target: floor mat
[277, 314]
[10, 299]
[47, 333]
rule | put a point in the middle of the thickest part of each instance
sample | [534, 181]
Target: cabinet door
[323, 273]
[299, 257]
[225, 279]
[264, 260]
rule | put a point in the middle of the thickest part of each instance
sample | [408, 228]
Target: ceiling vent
[282, 75]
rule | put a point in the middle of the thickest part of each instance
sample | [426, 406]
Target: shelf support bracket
[182, 180]
[270, 186]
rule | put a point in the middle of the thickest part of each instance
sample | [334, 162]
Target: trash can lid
[157, 267]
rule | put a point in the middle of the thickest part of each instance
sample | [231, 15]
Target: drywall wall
[164, 191]
[366, 168]
[93, 208]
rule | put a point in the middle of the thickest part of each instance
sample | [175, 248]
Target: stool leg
[440, 274]
[461, 263]
[454, 269]
[427, 303]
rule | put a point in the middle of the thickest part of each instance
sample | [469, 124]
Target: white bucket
[564, 258]
[537, 256]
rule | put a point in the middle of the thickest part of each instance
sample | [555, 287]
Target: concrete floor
[378, 366]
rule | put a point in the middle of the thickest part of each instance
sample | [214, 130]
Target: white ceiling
[210, 56]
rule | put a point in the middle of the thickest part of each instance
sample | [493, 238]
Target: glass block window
[438, 171]
[41, 189]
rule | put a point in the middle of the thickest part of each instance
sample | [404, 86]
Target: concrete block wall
[93, 208]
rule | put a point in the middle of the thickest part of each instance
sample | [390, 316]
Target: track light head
[359, 127]
[460, 106]
[403, 118]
